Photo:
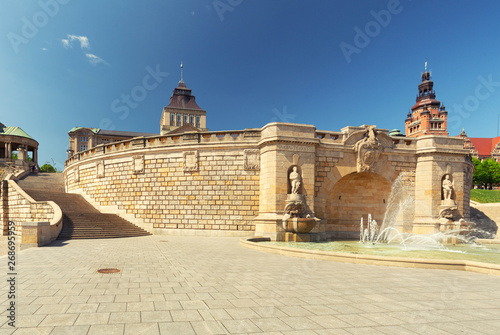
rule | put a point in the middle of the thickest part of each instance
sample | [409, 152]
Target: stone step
[80, 219]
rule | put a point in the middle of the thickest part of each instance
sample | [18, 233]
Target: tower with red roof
[428, 116]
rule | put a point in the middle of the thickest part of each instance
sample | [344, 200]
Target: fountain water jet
[398, 217]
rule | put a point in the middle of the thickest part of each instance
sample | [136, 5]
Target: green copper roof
[94, 130]
[14, 131]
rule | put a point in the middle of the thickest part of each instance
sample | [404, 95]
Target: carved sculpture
[295, 181]
[252, 159]
[190, 161]
[368, 150]
[294, 208]
[450, 213]
[447, 188]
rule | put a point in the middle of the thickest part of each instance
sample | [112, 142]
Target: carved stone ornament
[450, 213]
[100, 169]
[368, 150]
[138, 164]
[190, 161]
[77, 174]
[295, 208]
[252, 159]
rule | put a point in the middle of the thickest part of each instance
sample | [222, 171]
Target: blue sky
[66, 63]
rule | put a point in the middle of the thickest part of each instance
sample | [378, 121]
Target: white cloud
[44, 49]
[66, 43]
[84, 44]
[84, 41]
[94, 60]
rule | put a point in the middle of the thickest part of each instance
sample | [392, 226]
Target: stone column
[35, 155]
[438, 156]
[8, 150]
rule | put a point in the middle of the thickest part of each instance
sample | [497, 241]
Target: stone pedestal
[34, 234]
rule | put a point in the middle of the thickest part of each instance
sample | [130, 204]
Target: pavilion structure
[15, 140]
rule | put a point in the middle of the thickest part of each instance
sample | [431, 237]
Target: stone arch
[354, 196]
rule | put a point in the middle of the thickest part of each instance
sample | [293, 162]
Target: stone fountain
[296, 223]
[451, 229]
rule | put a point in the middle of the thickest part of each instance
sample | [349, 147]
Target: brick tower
[428, 116]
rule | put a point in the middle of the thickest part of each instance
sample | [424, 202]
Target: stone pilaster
[284, 145]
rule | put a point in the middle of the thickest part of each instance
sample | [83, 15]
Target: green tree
[487, 172]
[47, 168]
[478, 176]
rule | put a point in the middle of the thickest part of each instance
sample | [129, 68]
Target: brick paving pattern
[195, 285]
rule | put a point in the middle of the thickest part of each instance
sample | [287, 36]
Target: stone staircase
[80, 219]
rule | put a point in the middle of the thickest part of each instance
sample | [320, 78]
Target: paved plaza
[201, 285]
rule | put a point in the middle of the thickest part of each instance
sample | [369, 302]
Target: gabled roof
[484, 146]
[14, 131]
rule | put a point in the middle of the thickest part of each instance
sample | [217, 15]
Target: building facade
[428, 116]
[82, 138]
[482, 147]
[252, 181]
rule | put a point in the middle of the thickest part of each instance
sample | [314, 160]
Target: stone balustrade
[214, 137]
[37, 222]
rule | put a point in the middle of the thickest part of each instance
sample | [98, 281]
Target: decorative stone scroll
[368, 150]
[251, 159]
[190, 161]
[100, 169]
[138, 164]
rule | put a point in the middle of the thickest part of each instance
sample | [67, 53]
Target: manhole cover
[111, 270]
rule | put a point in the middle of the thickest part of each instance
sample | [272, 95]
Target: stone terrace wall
[186, 182]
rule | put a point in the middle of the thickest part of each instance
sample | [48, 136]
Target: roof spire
[426, 64]
[182, 80]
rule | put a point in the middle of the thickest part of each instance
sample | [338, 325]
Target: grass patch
[485, 196]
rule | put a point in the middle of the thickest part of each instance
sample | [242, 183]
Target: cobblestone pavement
[194, 285]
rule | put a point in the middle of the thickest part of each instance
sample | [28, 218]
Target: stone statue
[447, 188]
[295, 181]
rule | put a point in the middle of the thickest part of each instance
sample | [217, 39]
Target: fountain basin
[299, 225]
